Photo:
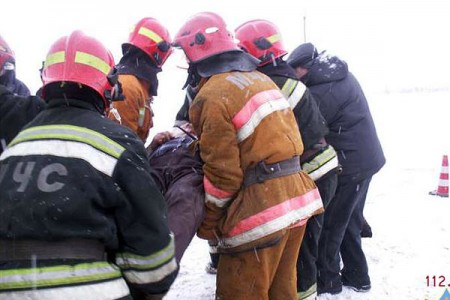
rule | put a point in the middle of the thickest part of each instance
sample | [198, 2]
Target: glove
[208, 229]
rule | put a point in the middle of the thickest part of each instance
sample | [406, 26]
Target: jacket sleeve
[183, 114]
[16, 112]
[146, 252]
[309, 119]
[220, 153]
[312, 124]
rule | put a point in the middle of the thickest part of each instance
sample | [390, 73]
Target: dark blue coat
[13, 84]
[15, 112]
[344, 106]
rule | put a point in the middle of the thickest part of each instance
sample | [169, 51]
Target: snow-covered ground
[411, 240]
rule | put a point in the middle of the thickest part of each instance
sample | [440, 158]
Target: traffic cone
[442, 189]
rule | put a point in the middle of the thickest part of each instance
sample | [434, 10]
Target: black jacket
[84, 176]
[344, 106]
[311, 123]
[183, 114]
[13, 84]
[16, 112]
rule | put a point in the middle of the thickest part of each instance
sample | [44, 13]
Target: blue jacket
[344, 106]
[13, 84]
[15, 112]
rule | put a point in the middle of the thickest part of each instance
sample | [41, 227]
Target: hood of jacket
[136, 62]
[325, 68]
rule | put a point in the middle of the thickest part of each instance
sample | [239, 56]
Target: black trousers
[341, 237]
[306, 263]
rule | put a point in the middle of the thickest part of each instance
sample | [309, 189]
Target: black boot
[366, 230]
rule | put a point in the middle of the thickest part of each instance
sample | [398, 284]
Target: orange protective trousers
[268, 273]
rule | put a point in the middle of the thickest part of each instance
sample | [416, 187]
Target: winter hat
[303, 56]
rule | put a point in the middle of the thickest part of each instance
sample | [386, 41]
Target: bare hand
[158, 139]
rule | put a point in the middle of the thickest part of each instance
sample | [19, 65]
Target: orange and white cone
[442, 189]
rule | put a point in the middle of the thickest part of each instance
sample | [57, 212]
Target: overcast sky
[387, 43]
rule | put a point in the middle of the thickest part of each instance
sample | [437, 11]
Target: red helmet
[6, 54]
[262, 39]
[81, 59]
[152, 38]
[204, 35]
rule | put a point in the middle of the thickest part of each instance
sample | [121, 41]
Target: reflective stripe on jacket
[321, 163]
[294, 91]
[153, 268]
[79, 281]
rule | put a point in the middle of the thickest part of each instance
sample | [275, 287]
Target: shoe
[332, 287]
[360, 289]
[210, 268]
[332, 291]
[366, 230]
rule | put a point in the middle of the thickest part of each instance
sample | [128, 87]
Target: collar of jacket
[278, 68]
[226, 62]
[84, 104]
[220, 63]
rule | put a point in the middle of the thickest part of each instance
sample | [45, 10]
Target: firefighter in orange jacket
[257, 198]
[144, 53]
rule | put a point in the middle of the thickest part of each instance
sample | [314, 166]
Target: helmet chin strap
[193, 78]
[116, 92]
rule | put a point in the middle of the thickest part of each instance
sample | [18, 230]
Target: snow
[411, 228]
